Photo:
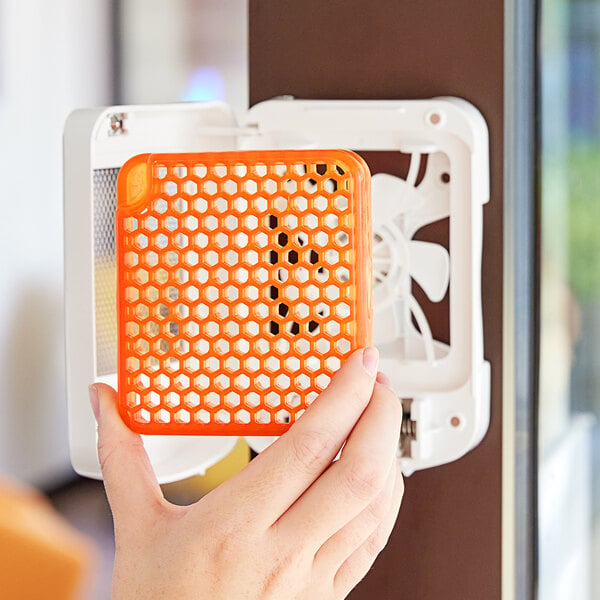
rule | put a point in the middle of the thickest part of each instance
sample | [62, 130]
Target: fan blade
[429, 265]
[392, 196]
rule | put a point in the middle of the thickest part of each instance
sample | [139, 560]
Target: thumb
[129, 479]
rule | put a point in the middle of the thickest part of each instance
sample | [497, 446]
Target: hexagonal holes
[222, 346]
[201, 347]
[252, 399]
[231, 258]
[242, 416]
[200, 205]
[141, 346]
[241, 311]
[292, 400]
[210, 187]
[211, 258]
[222, 416]
[192, 399]
[190, 188]
[320, 203]
[342, 238]
[232, 329]
[309, 185]
[342, 274]
[262, 346]
[301, 310]
[322, 381]
[132, 364]
[301, 274]
[170, 188]
[252, 364]
[130, 224]
[141, 241]
[302, 345]
[211, 293]
[132, 259]
[263, 417]
[201, 275]
[202, 416]
[212, 364]
[211, 222]
[312, 364]
[282, 382]
[212, 399]
[269, 186]
[191, 329]
[151, 329]
[182, 382]
[283, 416]
[201, 240]
[181, 241]
[191, 364]
[182, 416]
[273, 399]
[332, 292]
[249, 222]
[230, 187]
[323, 346]
[343, 345]
[181, 206]
[152, 399]
[302, 381]
[260, 204]
[342, 310]
[241, 382]
[161, 382]
[210, 328]
[261, 310]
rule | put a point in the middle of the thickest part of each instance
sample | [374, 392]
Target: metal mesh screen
[105, 273]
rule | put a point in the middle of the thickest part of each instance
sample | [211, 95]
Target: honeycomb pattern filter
[244, 280]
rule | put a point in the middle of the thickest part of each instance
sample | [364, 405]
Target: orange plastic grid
[244, 279]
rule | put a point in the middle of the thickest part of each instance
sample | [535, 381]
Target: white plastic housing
[445, 385]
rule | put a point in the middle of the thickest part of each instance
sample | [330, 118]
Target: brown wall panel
[446, 543]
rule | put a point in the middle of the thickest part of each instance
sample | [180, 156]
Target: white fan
[400, 208]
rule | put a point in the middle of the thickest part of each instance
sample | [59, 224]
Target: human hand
[291, 524]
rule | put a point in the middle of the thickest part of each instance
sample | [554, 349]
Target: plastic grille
[244, 280]
[105, 274]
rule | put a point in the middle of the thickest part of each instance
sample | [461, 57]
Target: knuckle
[310, 446]
[109, 453]
[358, 397]
[394, 406]
[379, 508]
[363, 478]
[377, 542]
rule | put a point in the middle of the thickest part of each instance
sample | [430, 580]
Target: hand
[291, 524]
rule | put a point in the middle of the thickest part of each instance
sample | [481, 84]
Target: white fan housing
[444, 388]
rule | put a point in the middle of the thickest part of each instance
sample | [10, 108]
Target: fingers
[357, 565]
[353, 482]
[129, 480]
[342, 544]
[288, 467]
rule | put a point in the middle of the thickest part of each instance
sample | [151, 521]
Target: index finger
[279, 476]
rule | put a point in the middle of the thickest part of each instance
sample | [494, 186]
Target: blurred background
[569, 394]
[60, 55]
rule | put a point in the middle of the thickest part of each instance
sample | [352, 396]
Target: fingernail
[383, 379]
[94, 401]
[370, 360]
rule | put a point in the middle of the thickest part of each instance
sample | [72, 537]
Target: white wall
[54, 56]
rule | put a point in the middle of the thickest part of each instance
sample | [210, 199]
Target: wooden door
[447, 542]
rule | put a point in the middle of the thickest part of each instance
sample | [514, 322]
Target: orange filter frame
[244, 280]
